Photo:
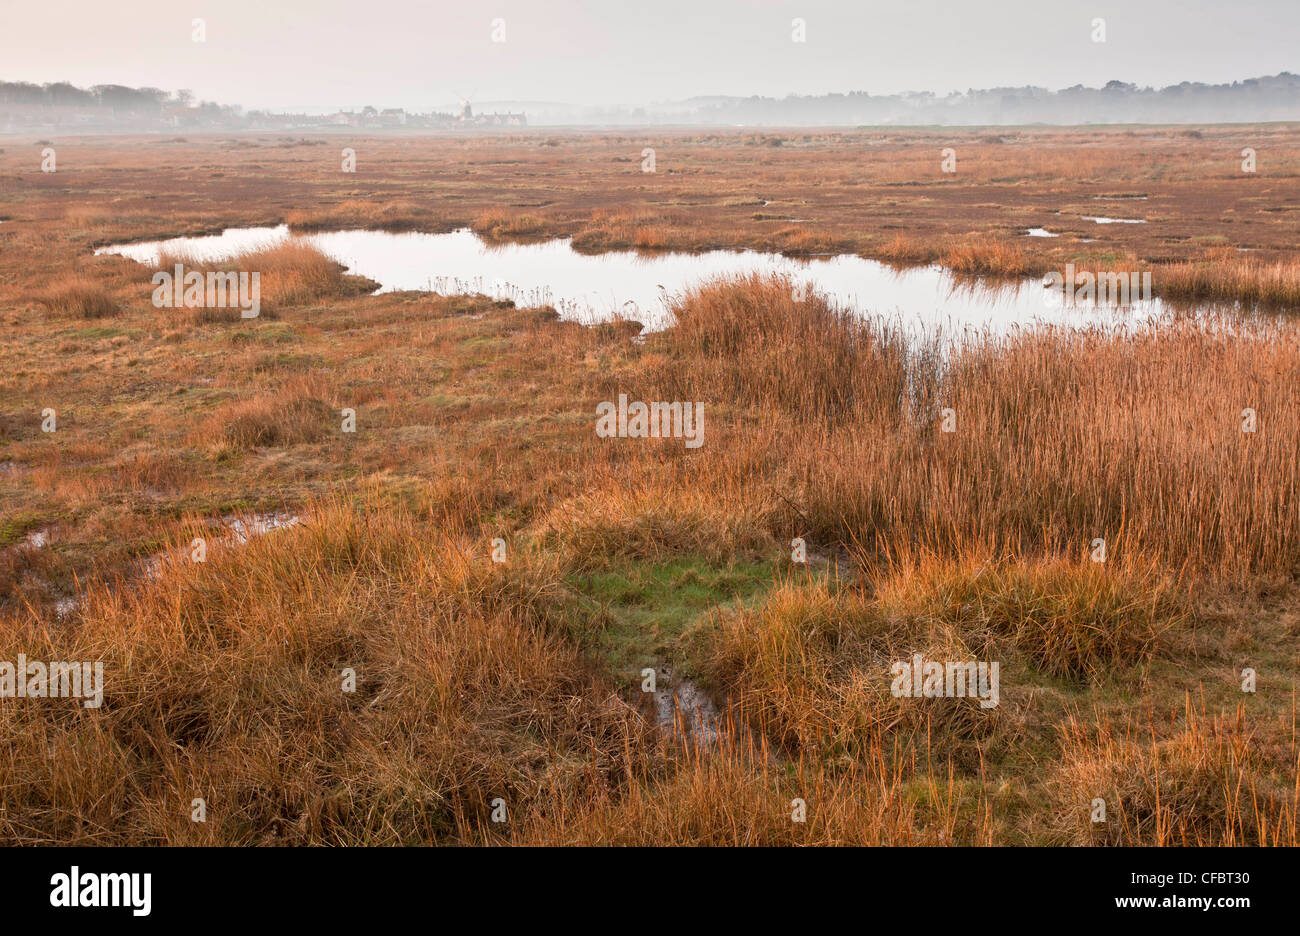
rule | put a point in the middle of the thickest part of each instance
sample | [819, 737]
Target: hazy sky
[420, 53]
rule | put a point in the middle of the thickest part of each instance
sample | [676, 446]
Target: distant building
[467, 116]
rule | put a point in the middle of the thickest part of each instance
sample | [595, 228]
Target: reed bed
[1227, 276]
[1207, 783]
[1176, 445]
[500, 224]
[75, 296]
[290, 273]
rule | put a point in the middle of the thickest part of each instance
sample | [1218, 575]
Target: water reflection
[589, 288]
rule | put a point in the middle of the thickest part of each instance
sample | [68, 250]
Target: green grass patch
[642, 609]
[270, 333]
[16, 526]
[97, 333]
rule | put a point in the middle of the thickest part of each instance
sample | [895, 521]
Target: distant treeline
[22, 94]
[62, 106]
[1256, 99]
[25, 106]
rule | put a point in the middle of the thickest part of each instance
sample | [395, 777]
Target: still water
[589, 288]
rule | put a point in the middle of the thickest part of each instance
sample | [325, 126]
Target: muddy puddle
[683, 709]
[241, 529]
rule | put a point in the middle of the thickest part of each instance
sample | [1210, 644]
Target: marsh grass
[1061, 436]
[1225, 275]
[1075, 619]
[988, 257]
[738, 791]
[1206, 783]
[478, 680]
[614, 522]
[499, 224]
[753, 340]
[76, 296]
[291, 273]
[386, 214]
[292, 416]
[221, 684]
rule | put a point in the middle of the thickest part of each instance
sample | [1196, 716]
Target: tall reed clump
[645, 230]
[232, 681]
[1198, 783]
[298, 411]
[810, 667]
[1225, 275]
[988, 257]
[812, 664]
[499, 223]
[291, 273]
[772, 343]
[1073, 619]
[77, 297]
[1177, 443]
[903, 250]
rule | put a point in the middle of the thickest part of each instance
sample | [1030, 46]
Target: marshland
[496, 578]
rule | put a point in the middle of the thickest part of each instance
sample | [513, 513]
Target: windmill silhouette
[466, 110]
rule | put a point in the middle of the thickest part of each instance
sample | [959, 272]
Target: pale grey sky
[420, 53]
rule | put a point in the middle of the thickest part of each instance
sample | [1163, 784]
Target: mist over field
[25, 106]
[724, 62]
